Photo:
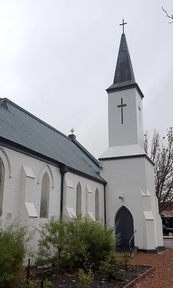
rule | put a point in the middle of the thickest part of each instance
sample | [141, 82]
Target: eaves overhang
[127, 157]
[124, 86]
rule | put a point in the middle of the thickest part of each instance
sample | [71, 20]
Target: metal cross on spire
[122, 24]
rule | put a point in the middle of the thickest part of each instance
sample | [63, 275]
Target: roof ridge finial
[72, 130]
[122, 24]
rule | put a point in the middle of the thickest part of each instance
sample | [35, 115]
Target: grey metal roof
[20, 127]
[124, 72]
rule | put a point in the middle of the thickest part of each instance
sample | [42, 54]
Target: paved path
[162, 275]
[168, 241]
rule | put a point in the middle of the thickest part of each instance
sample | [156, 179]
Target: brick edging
[139, 277]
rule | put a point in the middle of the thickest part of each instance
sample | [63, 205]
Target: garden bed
[71, 280]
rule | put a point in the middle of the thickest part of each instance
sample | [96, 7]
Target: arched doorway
[124, 227]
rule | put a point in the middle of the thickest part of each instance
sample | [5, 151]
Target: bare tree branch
[161, 154]
[168, 15]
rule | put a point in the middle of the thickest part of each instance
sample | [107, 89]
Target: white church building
[45, 174]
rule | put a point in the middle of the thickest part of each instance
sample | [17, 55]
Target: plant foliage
[35, 284]
[115, 266]
[74, 243]
[12, 253]
[85, 277]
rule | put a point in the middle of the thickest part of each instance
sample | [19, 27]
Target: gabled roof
[21, 129]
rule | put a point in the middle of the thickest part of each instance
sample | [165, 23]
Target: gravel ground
[162, 275]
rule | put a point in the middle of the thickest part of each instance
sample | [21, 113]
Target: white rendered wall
[154, 202]
[20, 188]
[131, 131]
[133, 179]
[23, 178]
[88, 190]
[14, 191]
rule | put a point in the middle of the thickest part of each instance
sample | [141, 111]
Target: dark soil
[71, 280]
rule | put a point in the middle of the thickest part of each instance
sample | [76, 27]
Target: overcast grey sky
[57, 57]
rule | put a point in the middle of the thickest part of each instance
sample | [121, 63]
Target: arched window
[44, 204]
[2, 176]
[97, 204]
[78, 199]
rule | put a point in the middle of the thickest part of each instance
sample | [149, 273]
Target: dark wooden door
[124, 227]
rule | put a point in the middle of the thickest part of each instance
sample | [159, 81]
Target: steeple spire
[124, 76]
[124, 72]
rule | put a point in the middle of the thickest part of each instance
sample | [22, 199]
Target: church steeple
[124, 74]
[124, 70]
[124, 102]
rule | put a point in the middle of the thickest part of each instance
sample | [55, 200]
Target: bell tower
[125, 122]
[131, 203]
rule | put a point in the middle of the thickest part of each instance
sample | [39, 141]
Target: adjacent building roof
[19, 129]
[166, 209]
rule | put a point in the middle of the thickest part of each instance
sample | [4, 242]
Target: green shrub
[35, 284]
[98, 241]
[74, 243]
[112, 267]
[12, 253]
[52, 243]
[85, 277]
[115, 266]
